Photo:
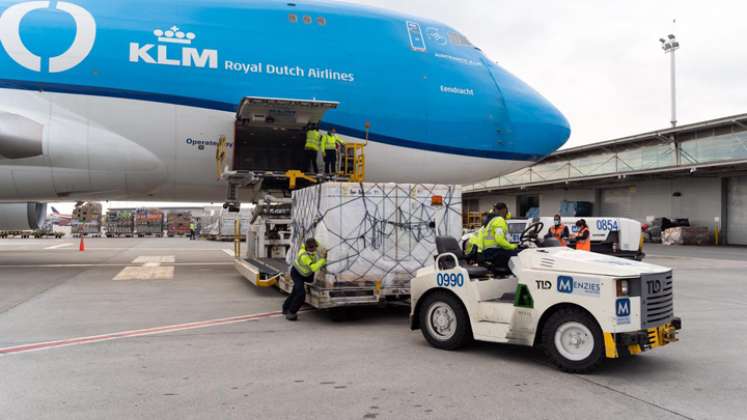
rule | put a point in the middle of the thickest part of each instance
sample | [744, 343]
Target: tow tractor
[580, 307]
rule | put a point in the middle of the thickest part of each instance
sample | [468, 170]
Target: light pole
[670, 45]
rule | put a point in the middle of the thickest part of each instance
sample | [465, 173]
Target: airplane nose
[537, 128]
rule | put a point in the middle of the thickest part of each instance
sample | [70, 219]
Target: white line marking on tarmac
[150, 270]
[229, 252]
[59, 246]
[146, 259]
[24, 348]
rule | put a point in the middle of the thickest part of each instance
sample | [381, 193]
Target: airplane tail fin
[54, 210]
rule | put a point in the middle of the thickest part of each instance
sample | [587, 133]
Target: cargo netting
[375, 231]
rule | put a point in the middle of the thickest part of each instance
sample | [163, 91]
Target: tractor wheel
[573, 341]
[444, 321]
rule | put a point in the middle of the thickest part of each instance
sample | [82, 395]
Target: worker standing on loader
[558, 231]
[313, 141]
[583, 237]
[496, 248]
[308, 262]
[330, 143]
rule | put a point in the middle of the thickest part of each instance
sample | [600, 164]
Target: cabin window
[292, 18]
[321, 20]
[307, 20]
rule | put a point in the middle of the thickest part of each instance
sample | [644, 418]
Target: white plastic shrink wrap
[374, 231]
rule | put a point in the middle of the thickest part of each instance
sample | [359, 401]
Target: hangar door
[736, 211]
[616, 202]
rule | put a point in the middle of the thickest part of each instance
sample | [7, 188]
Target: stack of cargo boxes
[374, 232]
[86, 219]
[178, 223]
[120, 223]
[149, 222]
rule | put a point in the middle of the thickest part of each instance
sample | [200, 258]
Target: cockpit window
[456, 38]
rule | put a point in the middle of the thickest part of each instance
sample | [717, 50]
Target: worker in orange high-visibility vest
[558, 231]
[583, 237]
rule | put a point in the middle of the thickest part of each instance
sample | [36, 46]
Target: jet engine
[22, 216]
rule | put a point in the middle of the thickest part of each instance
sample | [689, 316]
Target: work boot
[291, 317]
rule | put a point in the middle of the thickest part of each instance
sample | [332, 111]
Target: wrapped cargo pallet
[374, 231]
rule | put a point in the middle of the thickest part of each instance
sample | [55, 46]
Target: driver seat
[446, 244]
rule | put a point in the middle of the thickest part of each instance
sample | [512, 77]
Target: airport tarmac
[165, 328]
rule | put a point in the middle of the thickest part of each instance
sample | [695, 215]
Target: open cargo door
[271, 133]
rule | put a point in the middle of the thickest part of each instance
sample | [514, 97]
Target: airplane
[59, 219]
[131, 100]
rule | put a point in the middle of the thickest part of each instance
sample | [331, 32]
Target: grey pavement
[371, 366]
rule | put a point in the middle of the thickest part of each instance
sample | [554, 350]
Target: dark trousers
[192, 234]
[330, 162]
[498, 256]
[311, 160]
[298, 296]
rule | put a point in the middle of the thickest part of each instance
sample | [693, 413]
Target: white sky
[600, 61]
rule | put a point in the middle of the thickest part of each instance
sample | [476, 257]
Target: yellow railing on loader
[353, 162]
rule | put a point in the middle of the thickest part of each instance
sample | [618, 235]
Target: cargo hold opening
[270, 133]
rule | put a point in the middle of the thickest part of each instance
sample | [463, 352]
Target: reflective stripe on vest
[312, 140]
[583, 245]
[304, 269]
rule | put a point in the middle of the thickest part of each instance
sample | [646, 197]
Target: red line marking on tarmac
[134, 333]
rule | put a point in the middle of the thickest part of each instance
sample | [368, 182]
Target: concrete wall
[699, 200]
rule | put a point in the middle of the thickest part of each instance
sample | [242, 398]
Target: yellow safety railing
[472, 219]
[353, 164]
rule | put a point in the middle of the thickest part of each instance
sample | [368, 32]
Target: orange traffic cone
[82, 244]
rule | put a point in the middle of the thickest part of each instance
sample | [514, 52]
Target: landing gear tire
[573, 341]
[444, 321]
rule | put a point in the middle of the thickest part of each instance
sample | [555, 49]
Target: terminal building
[695, 171]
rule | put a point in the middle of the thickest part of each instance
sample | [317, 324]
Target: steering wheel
[531, 233]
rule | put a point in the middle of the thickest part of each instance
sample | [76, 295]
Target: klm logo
[622, 307]
[10, 36]
[565, 284]
[174, 48]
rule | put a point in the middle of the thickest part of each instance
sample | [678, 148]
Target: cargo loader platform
[275, 272]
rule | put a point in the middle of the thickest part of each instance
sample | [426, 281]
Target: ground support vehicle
[580, 307]
[89, 230]
[47, 231]
[23, 234]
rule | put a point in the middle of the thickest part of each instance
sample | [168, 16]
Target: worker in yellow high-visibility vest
[330, 144]
[313, 142]
[496, 248]
[308, 262]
